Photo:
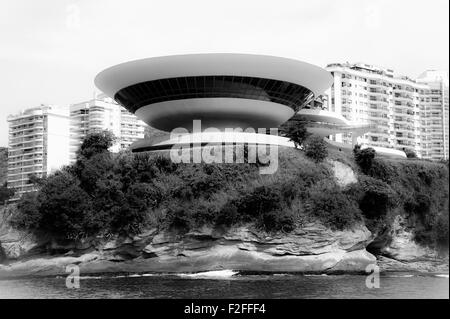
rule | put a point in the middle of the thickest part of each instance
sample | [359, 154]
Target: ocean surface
[229, 284]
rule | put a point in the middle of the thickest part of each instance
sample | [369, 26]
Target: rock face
[401, 245]
[13, 243]
[310, 248]
[343, 174]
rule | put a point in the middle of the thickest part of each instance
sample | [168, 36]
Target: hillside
[307, 216]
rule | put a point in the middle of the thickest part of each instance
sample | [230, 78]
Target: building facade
[38, 145]
[103, 113]
[435, 117]
[212, 98]
[409, 113]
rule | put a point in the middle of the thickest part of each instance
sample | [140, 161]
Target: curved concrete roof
[324, 123]
[212, 138]
[322, 116]
[123, 75]
[384, 151]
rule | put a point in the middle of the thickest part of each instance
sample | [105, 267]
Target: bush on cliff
[364, 157]
[316, 149]
[375, 197]
[410, 153]
[333, 207]
[105, 193]
[419, 189]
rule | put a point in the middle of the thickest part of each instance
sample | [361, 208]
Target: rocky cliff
[310, 248]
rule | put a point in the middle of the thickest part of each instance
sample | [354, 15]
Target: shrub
[364, 157]
[441, 231]
[332, 207]
[382, 170]
[261, 205]
[66, 209]
[177, 218]
[5, 193]
[229, 215]
[199, 180]
[410, 153]
[375, 197]
[255, 203]
[27, 216]
[316, 149]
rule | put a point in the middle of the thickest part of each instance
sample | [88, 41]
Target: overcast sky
[51, 50]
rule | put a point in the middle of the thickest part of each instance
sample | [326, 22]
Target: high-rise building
[435, 118]
[103, 113]
[410, 114]
[38, 145]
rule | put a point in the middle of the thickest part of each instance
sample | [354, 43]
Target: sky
[51, 50]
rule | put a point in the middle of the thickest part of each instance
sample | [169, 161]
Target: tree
[364, 157]
[5, 193]
[66, 209]
[316, 149]
[27, 216]
[295, 131]
[95, 143]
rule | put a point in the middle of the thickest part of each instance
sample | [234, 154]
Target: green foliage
[441, 231]
[3, 165]
[374, 196]
[332, 206]
[295, 131]
[316, 149]
[5, 193]
[105, 193]
[61, 208]
[28, 216]
[95, 143]
[364, 157]
[410, 153]
[418, 189]
[262, 204]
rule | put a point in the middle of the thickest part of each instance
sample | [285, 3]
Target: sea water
[229, 284]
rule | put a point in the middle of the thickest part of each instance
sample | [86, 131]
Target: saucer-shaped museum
[222, 90]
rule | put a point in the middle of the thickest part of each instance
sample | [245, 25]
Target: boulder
[343, 174]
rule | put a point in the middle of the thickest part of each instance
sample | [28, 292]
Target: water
[229, 285]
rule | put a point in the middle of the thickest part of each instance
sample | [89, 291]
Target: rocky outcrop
[398, 243]
[343, 174]
[437, 265]
[14, 243]
[310, 248]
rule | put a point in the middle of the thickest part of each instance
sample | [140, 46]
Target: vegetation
[5, 193]
[295, 131]
[105, 193]
[3, 164]
[417, 189]
[410, 153]
[364, 157]
[316, 149]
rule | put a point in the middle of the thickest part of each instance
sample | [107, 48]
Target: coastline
[313, 249]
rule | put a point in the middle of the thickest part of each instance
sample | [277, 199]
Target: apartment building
[409, 113]
[103, 113]
[38, 145]
[435, 117]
